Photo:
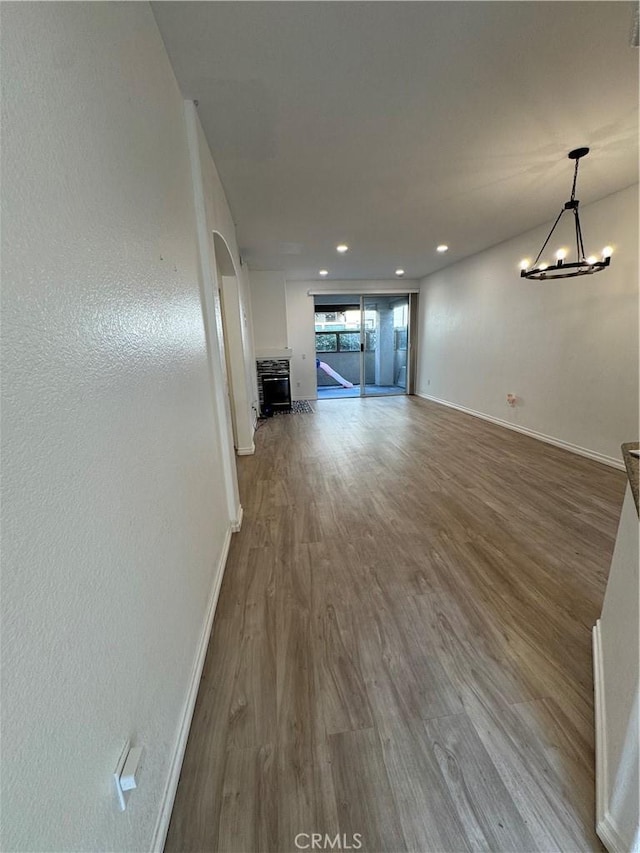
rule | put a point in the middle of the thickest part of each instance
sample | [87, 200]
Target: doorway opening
[233, 335]
[362, 345]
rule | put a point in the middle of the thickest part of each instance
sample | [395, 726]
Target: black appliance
[276, 394]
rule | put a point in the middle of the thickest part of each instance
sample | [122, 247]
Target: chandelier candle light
[582, 265]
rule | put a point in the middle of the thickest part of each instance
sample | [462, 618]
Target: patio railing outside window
[343, 341]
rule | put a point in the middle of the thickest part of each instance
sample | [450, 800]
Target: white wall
[237, 336]
[302, 340]
[221, 243]
[567, 349]
[211, 302]
[114, 517]
[618, 693]
[269, 311]
[249, 351]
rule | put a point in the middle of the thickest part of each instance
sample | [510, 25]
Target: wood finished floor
[402, 644]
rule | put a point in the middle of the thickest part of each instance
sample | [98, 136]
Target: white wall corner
[606, 825]
[600, 725]
[568, 350]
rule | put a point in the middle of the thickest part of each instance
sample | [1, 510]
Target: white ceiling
[395, 126]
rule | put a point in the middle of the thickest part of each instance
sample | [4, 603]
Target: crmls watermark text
[318, 841]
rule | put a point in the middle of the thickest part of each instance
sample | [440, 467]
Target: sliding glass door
[338, 327]
[385, 322]
[362, 345]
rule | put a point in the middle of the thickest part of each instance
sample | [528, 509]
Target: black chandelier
[582, 265]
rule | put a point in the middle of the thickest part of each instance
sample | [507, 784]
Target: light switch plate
[128, 777]
[122, 798]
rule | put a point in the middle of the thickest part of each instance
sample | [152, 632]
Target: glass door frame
[363, 344]
[360, 300]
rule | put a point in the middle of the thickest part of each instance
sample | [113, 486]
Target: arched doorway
[235, 349]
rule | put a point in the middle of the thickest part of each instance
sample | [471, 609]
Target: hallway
[402, 647]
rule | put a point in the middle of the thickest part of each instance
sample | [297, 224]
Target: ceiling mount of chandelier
[562, 268]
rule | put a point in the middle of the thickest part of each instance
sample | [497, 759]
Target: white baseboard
[246, 451]
[162, 825]
[611, 461]
[237, 524]
[609, 836]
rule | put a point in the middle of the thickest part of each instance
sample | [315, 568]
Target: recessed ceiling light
[442, 248]
[323, 272]
[399, 272]
[342, 248]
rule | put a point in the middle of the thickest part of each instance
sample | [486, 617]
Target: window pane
[349, 341]
[372, 340]
[326, 342]
[400, 314]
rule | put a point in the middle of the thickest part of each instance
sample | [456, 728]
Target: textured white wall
[567, 349]
[114, 518]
